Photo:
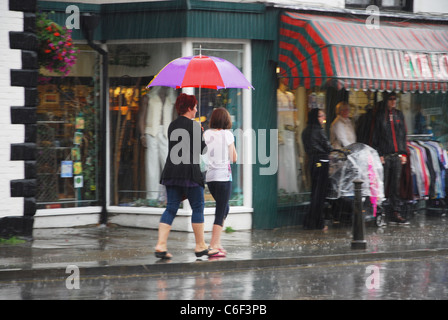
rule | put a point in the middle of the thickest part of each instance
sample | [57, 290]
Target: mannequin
[156, 113]
[286, 121]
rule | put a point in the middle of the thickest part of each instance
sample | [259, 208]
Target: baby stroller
[356, 162]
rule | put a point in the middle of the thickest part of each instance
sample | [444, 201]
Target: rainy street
[224, 157]
[410, 278]
[118, 263]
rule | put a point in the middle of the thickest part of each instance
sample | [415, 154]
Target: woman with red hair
[182, 176]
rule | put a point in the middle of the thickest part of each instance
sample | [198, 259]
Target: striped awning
[315, 51]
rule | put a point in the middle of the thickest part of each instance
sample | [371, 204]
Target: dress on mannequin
[287, 168]
[157, 114]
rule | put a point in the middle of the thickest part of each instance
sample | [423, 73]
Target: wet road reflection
[416, 278]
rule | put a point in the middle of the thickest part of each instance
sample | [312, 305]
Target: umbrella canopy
[200, 72]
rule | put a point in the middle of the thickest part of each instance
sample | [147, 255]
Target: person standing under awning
[318, 148]
[389, 139]
[342, 132]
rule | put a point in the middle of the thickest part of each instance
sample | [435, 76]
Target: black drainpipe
[89, 22]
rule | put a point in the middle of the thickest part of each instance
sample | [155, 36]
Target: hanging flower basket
[56, 50]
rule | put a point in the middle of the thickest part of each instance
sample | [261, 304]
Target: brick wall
[18, 100]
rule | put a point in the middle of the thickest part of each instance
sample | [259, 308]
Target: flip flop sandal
[205, 253]
[162, 255]
[220, 254]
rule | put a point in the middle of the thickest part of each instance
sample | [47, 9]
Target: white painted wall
[431, 6]
[9, 96]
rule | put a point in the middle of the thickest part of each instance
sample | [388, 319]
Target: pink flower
[62, 55]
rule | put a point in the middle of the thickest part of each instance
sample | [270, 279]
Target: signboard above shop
[432, 66]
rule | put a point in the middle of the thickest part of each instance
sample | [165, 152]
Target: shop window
[68, 135]
[293, 178]
[138, 119]
[231, 99]
[424, 113]
[429, 116]
[136, 111]
[425, 116]
[293, 181]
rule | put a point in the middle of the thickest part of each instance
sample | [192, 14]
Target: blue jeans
[175, 195]
[220, 191]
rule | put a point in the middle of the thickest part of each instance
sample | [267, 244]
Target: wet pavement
[424, 278]
[98, 250]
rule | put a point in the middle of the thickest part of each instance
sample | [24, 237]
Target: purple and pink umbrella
[200, 72]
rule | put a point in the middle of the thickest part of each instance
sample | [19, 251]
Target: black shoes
[207, 252]
[397, 219]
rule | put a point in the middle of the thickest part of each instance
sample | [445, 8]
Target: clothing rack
[428, 165]
[428, 136]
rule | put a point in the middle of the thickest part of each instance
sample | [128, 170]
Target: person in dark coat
[318, 148]
[182, 176]
[389, 139]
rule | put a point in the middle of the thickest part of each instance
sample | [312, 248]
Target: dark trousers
[314, 219]
[220, 191]
[392, 176]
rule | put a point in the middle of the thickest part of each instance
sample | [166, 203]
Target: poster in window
[66, 169]
[78, 182]
[77, 167]
[76, 154]
[78, 138]
[79, 125]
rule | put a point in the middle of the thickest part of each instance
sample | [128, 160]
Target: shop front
[295, 61]
[77, 140]
[324, 60]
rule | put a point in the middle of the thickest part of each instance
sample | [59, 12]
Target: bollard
[358, 241]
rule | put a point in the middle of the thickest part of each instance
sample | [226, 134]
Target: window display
[139, 119]
[287, 144]
[67, 136]
[68, 127]
[156, 114]
[293, 181]
[423, 114]
[429, 117]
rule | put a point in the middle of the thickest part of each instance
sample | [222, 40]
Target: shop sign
[432, 66]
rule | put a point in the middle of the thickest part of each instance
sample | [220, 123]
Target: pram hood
[356, 162]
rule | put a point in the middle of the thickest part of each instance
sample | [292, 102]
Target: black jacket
[388, 139]
[185, 145]
[316, 142]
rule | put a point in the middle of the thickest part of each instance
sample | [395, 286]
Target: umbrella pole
[199, 109]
